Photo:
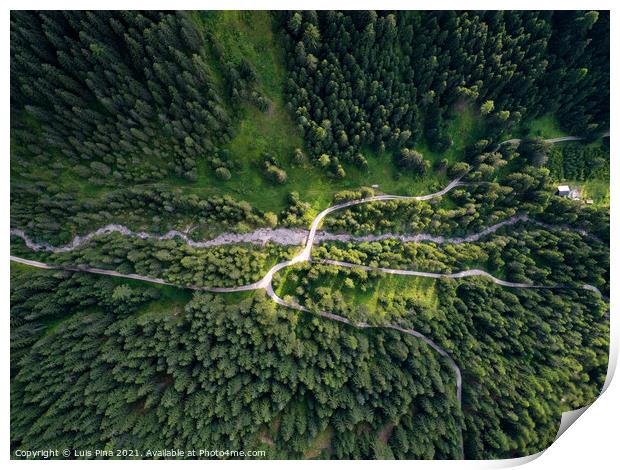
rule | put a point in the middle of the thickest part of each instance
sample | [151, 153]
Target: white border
[591, 442]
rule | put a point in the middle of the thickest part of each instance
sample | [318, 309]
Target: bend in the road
[409, 331]
[304, 255]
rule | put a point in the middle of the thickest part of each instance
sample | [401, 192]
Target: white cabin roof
[563, 188]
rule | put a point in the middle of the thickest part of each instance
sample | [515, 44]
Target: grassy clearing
[377, 296]
[250, 35]
[313, 186]
[465, 127]
[595, 189]
[546, 126]
[389, 287]
[18, 267]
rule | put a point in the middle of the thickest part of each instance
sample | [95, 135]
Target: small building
[374, 186]
[563, 190]
[589, 201]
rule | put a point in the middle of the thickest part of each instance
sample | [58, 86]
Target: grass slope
[465, 127]
[546, 126]
[376, 297]
[250, 35]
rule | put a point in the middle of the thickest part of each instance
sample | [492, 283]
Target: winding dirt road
[459, 275]
[266, 281]
[304, 256]
[554, 140]
[137, 277]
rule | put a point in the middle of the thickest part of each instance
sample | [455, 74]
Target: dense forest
[222, 123]
[491, 332]
[121, 95]
[246, 375]
[295, 386]
[391, 79]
